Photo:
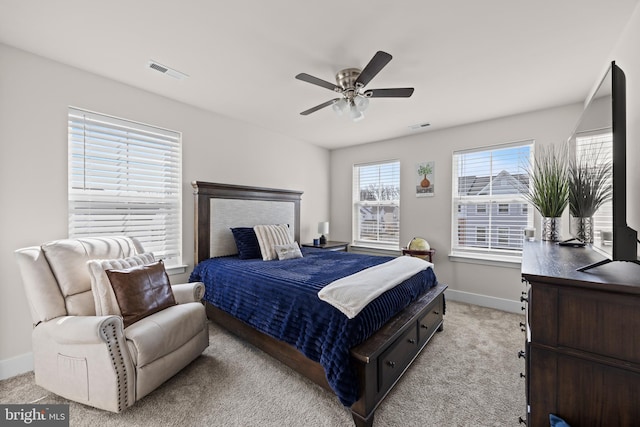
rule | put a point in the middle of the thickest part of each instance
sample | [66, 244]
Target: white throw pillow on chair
[104, 297]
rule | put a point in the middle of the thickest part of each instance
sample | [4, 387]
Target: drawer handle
[523, 299]
[391, 364]
[522, 354]
[424, 326]
[412, 341]
[522, 375]
[436, 312]
[522, 421]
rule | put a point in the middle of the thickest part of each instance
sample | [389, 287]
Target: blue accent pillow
[556, 421]
[246, 242]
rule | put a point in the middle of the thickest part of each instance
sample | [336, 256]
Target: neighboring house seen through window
[376, 205]
[125, 179]
[489, 210]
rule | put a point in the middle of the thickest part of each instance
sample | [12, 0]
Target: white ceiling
[468, 60]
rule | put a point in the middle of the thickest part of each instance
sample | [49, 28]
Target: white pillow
[103, 295]
[269, 236]
[288, 251]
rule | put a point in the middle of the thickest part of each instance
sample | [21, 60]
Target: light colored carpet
[468, 375]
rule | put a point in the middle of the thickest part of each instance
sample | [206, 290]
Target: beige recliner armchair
[81, 349]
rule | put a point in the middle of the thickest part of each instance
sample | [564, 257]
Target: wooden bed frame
[380, 361]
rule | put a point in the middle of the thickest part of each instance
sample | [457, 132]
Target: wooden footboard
[380, 361]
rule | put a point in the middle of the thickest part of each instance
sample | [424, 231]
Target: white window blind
[598, 146]
[376, 195]
[489, 212]
[125, 179]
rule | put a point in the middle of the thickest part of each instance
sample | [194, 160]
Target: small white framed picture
[425, 177]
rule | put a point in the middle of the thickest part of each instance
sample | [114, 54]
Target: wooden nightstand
[330, 246]
[428, 254]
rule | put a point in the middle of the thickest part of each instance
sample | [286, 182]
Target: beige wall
[34, 96]
[493, 285]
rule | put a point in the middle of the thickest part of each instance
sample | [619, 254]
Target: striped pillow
[269, 236]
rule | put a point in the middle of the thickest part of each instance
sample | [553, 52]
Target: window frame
[500, 205]
[125, 178]
[463, 248]
[481, 231]
[357, 204]
[506, 237]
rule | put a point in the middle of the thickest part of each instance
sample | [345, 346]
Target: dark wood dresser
[583, 337]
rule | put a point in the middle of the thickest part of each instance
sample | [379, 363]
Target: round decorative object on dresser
[418, 244]
[420, 248]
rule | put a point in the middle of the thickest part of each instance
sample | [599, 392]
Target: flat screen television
[604, 121]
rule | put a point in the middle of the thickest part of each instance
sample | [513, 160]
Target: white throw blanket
[352, 293]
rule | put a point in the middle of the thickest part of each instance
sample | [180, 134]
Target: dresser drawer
[394, 360]
[605, 324]
[429, 322]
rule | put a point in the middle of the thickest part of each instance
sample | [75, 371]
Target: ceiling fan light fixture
[350, 84]
[361, 103]
[356, 114]
[340, 106]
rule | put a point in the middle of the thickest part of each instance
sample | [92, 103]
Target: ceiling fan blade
[403, 92]
[318, 107]
[316, 81]
[377, 63]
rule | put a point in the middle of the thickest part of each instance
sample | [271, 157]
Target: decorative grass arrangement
[589, 184]
[549, 181]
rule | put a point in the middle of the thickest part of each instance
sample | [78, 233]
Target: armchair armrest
[78, 330]
[188, 292]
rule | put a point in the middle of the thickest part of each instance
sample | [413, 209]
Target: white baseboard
[485, 301]
[16, 366]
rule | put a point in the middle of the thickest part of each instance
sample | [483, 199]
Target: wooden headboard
[221, 206]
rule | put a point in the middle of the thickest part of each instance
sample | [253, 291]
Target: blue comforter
[279, 298]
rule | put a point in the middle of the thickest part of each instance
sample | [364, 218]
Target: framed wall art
[425, 177]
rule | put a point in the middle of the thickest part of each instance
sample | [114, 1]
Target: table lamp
[323, 228]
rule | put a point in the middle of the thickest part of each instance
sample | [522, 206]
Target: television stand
[603, 262]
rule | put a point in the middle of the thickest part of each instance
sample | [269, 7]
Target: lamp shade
[323, 227]
[340, 106]
[356, 115]
[361, 103]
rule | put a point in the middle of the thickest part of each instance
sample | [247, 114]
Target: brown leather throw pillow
[141, 291]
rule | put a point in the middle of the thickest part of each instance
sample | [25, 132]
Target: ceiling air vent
[419, 126]
[166, 70]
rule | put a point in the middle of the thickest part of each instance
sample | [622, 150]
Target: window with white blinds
[489, 211]
[597, 146]
[125, 179]
[376, 197]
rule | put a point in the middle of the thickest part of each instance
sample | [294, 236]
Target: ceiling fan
[351, 83]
